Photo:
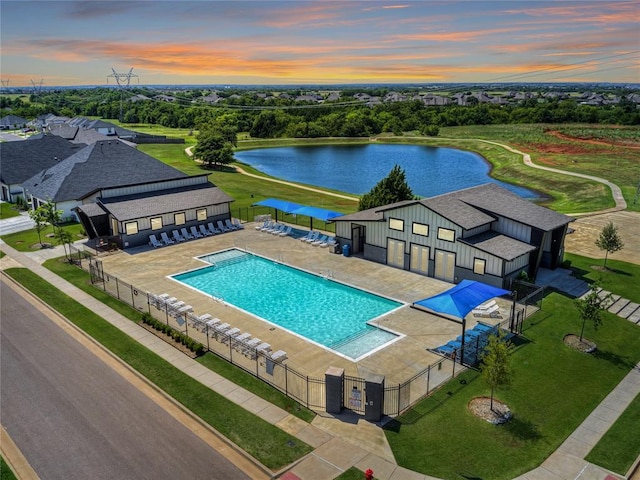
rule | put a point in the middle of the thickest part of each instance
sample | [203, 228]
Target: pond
[356, 169]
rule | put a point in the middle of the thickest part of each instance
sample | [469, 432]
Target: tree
[591, 306]
[39, 217]
[609, 240]
[64, 238]
[496, 370]
[52, 215]
[393, 188]
[212, 149]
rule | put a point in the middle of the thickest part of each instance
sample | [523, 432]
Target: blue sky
[319, 42]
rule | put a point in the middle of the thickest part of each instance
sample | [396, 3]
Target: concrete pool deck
[148, 270]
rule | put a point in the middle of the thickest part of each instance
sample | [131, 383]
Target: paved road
[73, 417]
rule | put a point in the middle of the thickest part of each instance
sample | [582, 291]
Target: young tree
[64, 238]
[39, 217]
[609, 240]
[53, 216]
[591, 307]
[212, 149]
[496, 370]
[393, 188]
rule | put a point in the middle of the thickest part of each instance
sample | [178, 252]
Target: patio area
[148, 269]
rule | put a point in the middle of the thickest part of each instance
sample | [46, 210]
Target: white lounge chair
[186, 234]
[166, 239]
[286, 232]
[307, 236]
[492, 310]
[262, 225]
[279, 356]
[332, 242]
[177, 237]
[204, 231]
[312, 238]
[195, 232]
[277, 229]
[154, 242]
[270, 224]
[212, 229]
[321, 239]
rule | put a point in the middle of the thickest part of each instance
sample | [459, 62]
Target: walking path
[342, 441]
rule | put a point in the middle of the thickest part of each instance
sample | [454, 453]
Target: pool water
[322, 310]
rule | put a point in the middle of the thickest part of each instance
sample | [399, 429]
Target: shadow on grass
[614, 359]
[522, 429]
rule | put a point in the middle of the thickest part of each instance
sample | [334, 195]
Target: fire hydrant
[368, 475]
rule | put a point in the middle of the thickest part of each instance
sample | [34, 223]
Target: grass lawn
[554, 389]
[81, 279]
[8, 210]
[265, 442]
[620, 446]
[28, 240]
[5, 472]
[621, 278]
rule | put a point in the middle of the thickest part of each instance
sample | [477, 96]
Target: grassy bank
[28, 240]
[265, 442]
[554, 390]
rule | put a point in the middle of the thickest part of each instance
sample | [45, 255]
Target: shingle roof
[97, 166]
[494, 199]
[164, 201]
[23, 159]
[457, 211]
[499, 245]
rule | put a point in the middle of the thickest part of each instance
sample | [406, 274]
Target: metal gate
[95, 271]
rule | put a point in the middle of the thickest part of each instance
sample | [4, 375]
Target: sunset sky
[319, 42]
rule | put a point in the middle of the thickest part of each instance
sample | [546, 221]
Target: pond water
[356, 169]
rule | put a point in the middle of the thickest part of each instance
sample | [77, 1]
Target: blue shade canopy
[283, 205]
[461, 299]
[315, 212]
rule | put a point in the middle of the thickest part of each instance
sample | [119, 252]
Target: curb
[263, 469]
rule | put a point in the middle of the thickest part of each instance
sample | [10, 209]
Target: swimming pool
[320, 309]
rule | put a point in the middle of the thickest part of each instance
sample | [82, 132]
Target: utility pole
[5, 83]
[123, 80]
[37, 87]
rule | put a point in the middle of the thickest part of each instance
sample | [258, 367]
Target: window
[156, 223]
[446, 234]
[131, 228]
[420, 229]
[201, 214]
[396, 224]
[479, 266]
[180, 219]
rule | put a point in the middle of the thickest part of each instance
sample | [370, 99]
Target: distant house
[138, 98]
[12, 122]
[23, 159]
[484, 233]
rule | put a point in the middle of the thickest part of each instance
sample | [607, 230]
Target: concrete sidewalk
[345, 441]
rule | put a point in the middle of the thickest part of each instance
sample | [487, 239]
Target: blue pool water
[327, 312]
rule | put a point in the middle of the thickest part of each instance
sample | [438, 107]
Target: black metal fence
[249, 214]
[307, 390]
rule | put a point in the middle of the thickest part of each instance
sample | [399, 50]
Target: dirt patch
[591, 141]
[40, 246]
[560, 149]
[481, 407]
[584, 346]
[170, 340]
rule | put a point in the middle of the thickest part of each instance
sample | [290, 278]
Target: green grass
[5, 472]
[265, 442]
[351, 474]
[81, 279]
[8, 210]
[554, 389]
[620, 446]
[620, 278]
[27, 240]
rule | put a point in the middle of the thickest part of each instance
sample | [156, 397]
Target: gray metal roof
[23, 159]
[459, 212]
[493, 199]
[165, 201]
[101, 165]
[498, 245]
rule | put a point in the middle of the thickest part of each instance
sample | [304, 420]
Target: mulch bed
[584, 346]
[481, 407]
[167, 338]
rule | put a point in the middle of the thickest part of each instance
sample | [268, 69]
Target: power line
[120, 80]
